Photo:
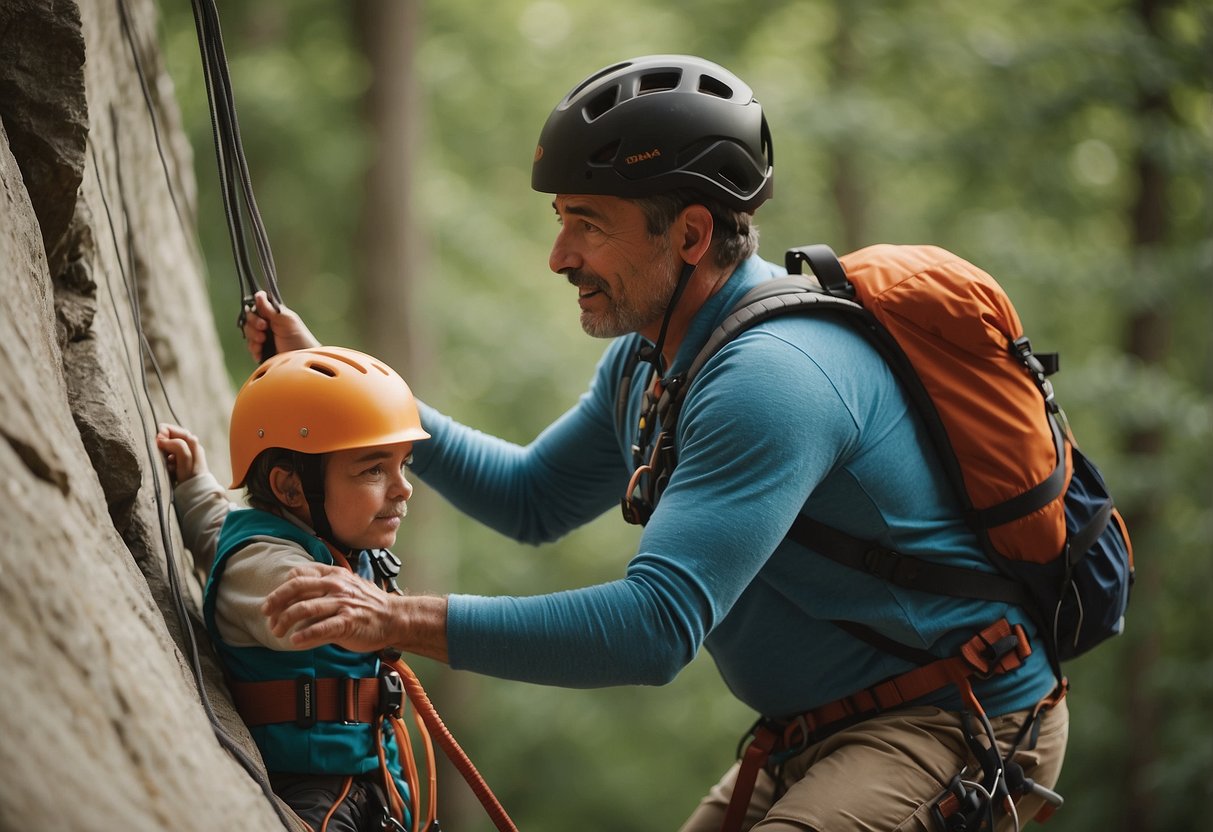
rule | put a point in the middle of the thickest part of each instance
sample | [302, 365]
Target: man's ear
[693, 237]
[288, 488]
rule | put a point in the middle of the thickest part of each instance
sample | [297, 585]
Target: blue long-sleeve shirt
[798, 414]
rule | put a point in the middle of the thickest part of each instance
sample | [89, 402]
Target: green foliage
[1010, 132]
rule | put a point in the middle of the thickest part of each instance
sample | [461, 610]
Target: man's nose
[563, 258]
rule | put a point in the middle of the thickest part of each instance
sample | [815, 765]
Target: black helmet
[653, 124]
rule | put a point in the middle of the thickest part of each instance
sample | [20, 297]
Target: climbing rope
[148, 359]
[235, 184]
[240, 210]
[176, 593]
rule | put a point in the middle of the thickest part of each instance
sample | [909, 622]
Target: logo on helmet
[538, 152]
[642, 157]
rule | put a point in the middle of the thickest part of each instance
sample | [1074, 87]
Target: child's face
[365, 492]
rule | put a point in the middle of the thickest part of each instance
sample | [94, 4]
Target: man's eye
[408, 462]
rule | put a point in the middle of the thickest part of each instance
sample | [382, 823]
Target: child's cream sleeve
[251, 573]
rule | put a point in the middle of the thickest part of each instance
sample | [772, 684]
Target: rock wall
[106, 330]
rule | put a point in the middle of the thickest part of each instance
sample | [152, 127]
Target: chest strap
[307, 700]
[999, 648]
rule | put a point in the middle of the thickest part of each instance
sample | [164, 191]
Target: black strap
[1034, 498]
[866, 634]
[1081, 541]
[905, 571]
[825, 264]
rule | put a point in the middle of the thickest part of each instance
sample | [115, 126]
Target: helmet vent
[658, 82]
[601, 103]
[714, 86]
[605, 154]
[600, 74]
[322, 369]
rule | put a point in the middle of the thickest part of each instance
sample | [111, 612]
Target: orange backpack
[1038, 506]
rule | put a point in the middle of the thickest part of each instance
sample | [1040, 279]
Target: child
[320, 439]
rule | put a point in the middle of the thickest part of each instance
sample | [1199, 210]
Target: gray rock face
[103, 722]
[44, 107]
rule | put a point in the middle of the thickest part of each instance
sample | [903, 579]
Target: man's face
[624, 276]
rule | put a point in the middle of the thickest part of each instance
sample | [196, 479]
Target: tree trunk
[103, 721]
[388, 248]
[1147, 337]
[391, 256]
[846, 179]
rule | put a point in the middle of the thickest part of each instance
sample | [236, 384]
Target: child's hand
[183, 453]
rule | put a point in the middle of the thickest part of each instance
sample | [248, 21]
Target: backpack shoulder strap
[772, 298]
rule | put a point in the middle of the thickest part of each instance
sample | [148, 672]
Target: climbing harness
[236, 187]
[998, 649]
[379, 701]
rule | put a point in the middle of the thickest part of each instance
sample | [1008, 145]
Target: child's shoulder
[243, 524]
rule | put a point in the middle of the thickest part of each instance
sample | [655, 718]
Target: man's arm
[331, 605]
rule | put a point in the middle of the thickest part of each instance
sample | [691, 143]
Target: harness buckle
[390, 823]
[386, 565]
[347, 701]
[796, 737]
[391, 693]
[999, 648]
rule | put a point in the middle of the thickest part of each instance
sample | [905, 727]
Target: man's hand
[183, 453]
[290, 332]
[322, 604]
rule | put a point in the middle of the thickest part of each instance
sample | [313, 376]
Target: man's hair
[735, 237]
[260, 494]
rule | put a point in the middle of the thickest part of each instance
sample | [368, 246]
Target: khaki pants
[883, 774]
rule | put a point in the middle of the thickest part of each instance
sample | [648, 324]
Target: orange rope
[395, 803]
[404, 744]
[430, 725]
[437, 729]
[430, 764]
[345, 790]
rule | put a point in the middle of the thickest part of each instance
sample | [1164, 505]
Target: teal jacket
[326, 747]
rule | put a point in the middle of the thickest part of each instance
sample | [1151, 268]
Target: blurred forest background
[1067, 147]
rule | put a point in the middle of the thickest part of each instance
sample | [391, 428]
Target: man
[657, 166]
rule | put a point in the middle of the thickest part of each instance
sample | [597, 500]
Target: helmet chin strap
[311, 477]
[652, 354]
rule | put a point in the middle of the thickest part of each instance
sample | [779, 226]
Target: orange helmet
[320, 400]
